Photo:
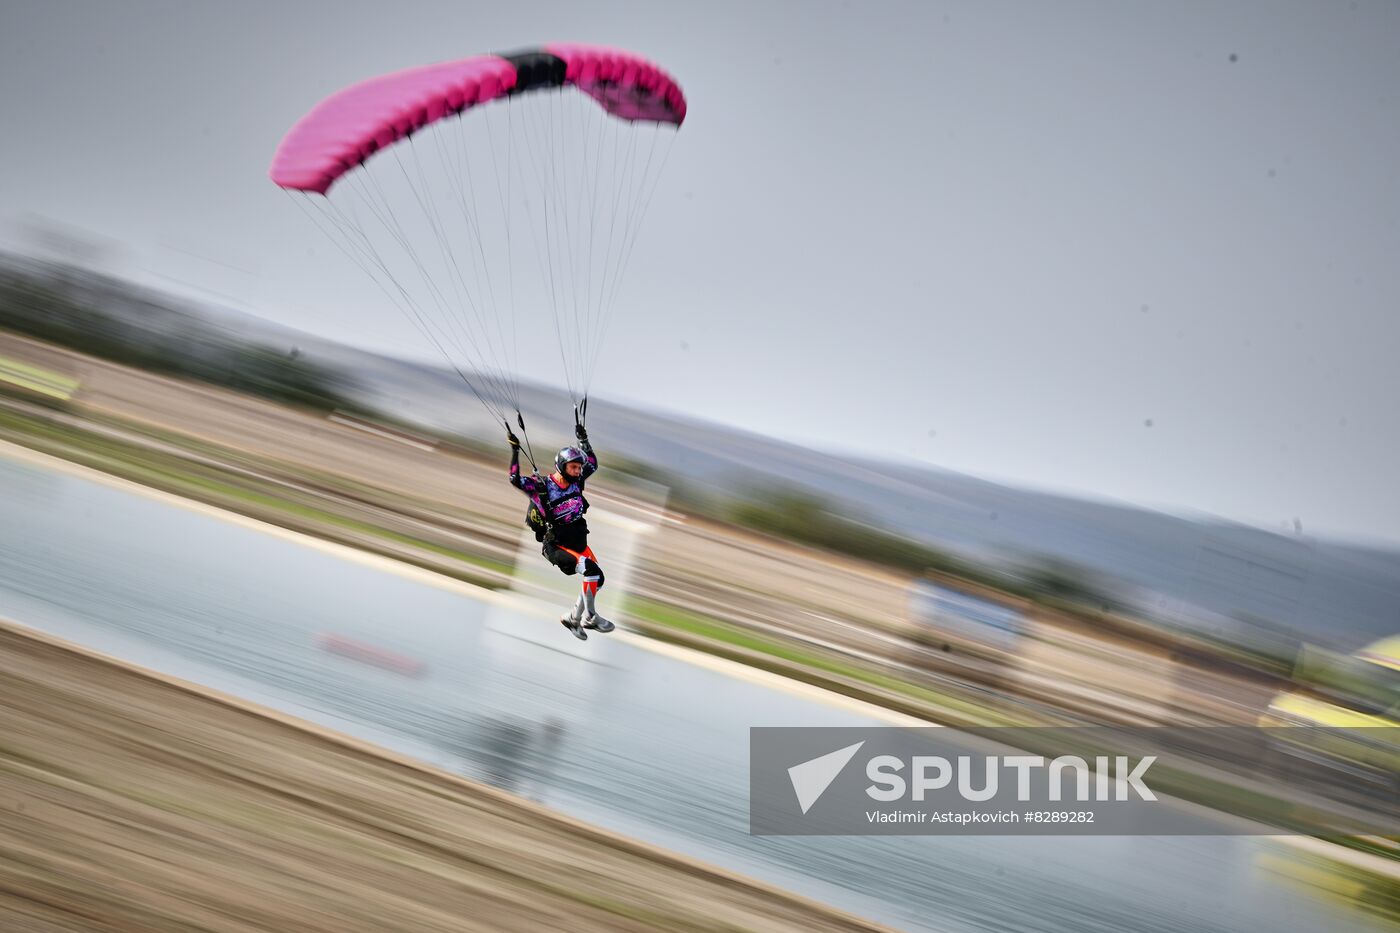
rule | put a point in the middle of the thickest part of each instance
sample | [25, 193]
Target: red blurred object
[373, 655]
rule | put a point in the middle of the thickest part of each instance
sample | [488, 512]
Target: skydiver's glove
[580, 412]
[512, 439]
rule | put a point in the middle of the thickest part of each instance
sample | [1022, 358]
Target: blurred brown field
[131, 801]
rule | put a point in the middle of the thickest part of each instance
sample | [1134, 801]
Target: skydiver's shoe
[598, 623]
[573, 626]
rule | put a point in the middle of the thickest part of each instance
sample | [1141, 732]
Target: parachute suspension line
[547, 265]
[503, 200]
[461, 340]
[587, 323]
[594, 174]
[489, 311]
[643, 194]
[540, 254]
[588, 225]
[618, 169]
[591, 173]
[636, 211]
[610, 204]
[566, 156]
[569, 168]
[573, 154]
[626, 196]
[404, 303]
[475, 229]
[469, 212]
[568, 268]
[590, 161]
[361, 252]
[636, 226]
[561, 202]
[471, 215]
[485, 346]
[408, 306]
[428, 204]
[560, 157]
[622, 173]
[388, 220]
[506, 206]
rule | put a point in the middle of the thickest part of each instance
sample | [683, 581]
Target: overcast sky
[1141, 251]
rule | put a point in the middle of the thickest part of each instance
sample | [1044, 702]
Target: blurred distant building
[959, 615]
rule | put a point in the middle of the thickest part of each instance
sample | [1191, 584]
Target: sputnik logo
[811, 778]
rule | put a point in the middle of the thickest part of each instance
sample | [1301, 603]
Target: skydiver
[555, 514]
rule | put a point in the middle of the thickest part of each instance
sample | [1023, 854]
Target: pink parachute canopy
[346, 128]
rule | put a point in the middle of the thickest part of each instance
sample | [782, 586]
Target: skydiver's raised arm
[529, 484]
[590, 466]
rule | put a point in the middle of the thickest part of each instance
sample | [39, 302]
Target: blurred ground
[835, 621]
[134, 802]
[832, 621]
